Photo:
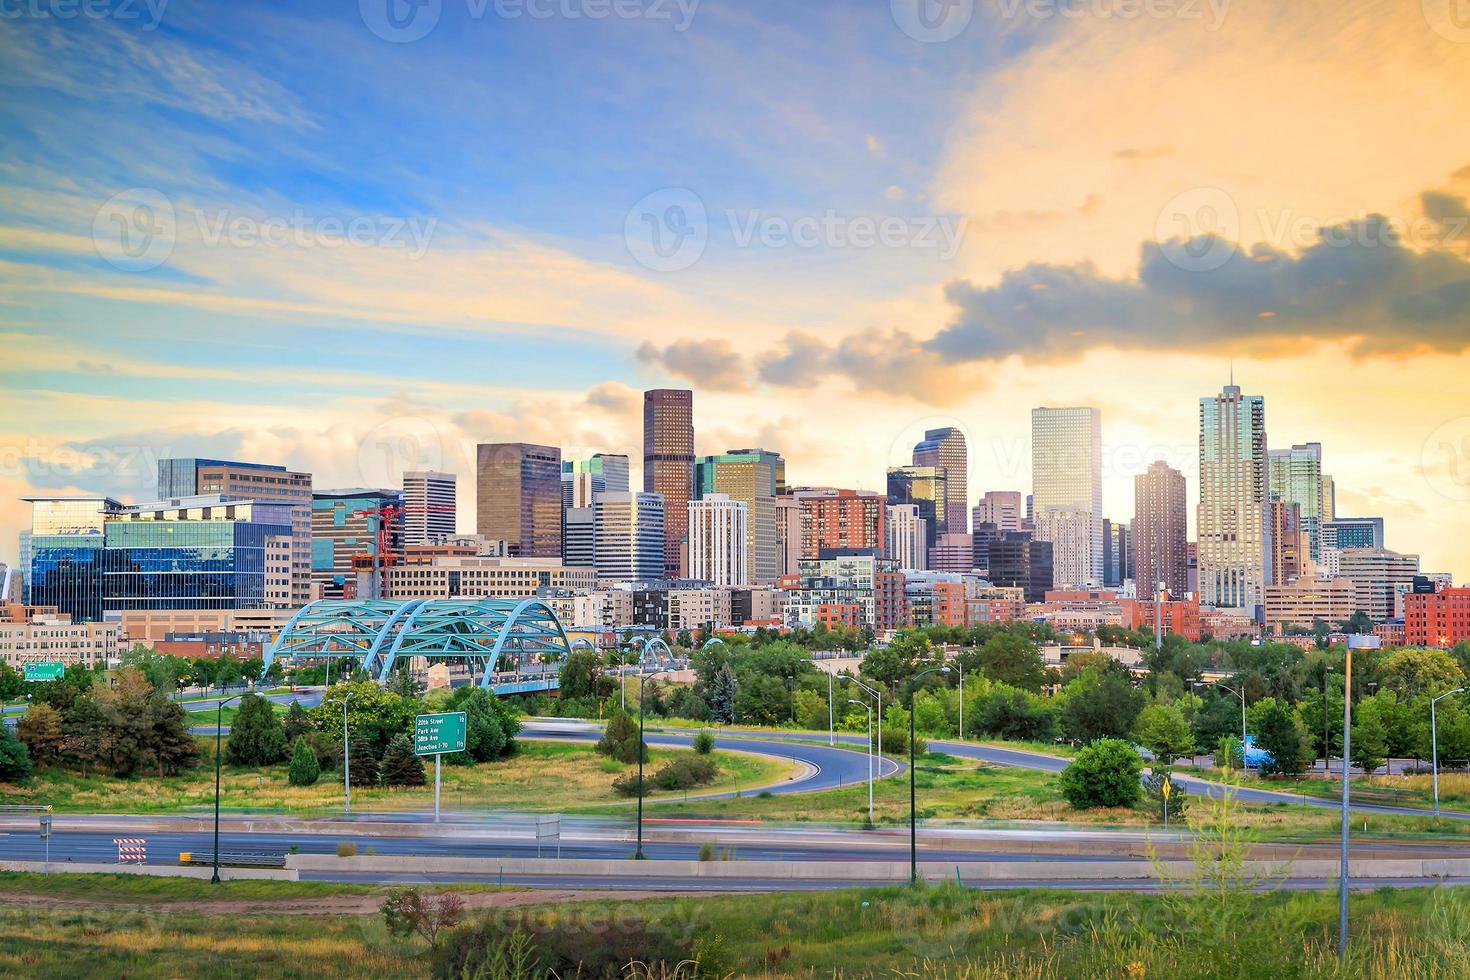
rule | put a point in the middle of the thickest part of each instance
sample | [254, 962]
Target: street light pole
[219, 714]
[346, 758]
[961, 668]
[638, 854]
[913, 786]
[1357, 641]
[831, 726]
[1326, 737]
[1241, 694]
[869, 709]
[1434, 743]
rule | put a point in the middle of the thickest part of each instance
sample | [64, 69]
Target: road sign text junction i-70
[439, 733]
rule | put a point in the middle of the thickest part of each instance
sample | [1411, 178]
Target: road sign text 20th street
[438, 733]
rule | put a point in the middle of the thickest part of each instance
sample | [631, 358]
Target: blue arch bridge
[511, 646]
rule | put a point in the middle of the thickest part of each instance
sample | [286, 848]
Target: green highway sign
[440, 733]
[44, 671]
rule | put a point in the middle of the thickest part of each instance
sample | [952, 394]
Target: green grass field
[540, 776]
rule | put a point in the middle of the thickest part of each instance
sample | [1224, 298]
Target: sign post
[44, 671]
[435, 735]
[1167, 788]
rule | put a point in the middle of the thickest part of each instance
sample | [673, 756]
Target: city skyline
[504, 295]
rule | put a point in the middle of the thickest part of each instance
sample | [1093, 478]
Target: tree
[763, 700]
[363, 767]
[1101, 704]
[372, 711]
[581, 675]
[257, 737]
[620, 739]
[15, 762]
[12, 683]
[1105, 773]
[1412, 672]
[1370, 736]
[296, 723]
[810, 710]
[408, 912]
[40, 729]
[304, 769]
[400, 766]
[722, 695]
[490, 729]
[174, 749]
[1164, 732]
[1279, 737]
[85, 739]
[402, 682]
[704, 742]
[1012, 658]
[1013, 714]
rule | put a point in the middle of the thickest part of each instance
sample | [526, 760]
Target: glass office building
[65, 553]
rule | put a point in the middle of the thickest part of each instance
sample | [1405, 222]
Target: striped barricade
[131, 849]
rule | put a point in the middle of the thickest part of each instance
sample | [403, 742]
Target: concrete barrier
[151, 870]
[857, 871]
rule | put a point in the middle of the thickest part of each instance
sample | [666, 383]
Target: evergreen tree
[363, 765]
[296, 723]
[1278, 736]
[400, 766]
[84, 734]
[620, 740]
[402, 682]
[15, 762]
[722, 696]
[304, 770]
[256, 735]
[173, 748]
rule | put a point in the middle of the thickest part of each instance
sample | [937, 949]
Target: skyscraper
[788, 535]
[842, 520]
[66, 542]
[1289, 543]
[718, 539]
[1066, 477]
[601, 473]
[924, 487]
[1233, 520]
[908, 537]
[945, 449]
[668, 463]
[1015, 559]
[630, 537]
[518, 497]
[1006, 509]
[1296, 477]
[1161, 530]
[751, 476]
[1117, 541]
[428, 507]
[348, 539]
[192, 476]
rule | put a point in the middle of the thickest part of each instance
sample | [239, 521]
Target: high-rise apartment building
[1342, 533]
[1296, 478]
[944, 449]
[753, 477]
[1066, 476]
[518, 497]
[630, 537]
[429, 512]
[925, 488]
[841, 519]
[1379, 576]
[1233, 520]
[353, 532]
[668, 463]
[953, 553]
[908, 537]
[192, 477]
[1160, 530]
[1289, 542]
[718, 540]
[1006, 509]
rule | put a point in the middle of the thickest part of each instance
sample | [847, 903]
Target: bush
[620, 740]
[686, 772]
[304, 769]
[1153, 797]
[1105, 773]
[561, 944]
[346, 849]
[408, 912]
[704, 743]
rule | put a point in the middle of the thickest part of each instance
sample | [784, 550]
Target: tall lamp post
[219, 714]
[1358, 641]
[877, 693]
[961, 668]
[913, 786]
[869, 709]
[346, 758]
[1434, 743]
[638, 854]
[1240, 694]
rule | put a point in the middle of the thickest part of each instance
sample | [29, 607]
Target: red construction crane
[385, 516]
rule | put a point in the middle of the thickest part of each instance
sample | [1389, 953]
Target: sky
[358, 238]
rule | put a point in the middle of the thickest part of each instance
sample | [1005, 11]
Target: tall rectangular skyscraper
[1296, 477]
[945, 449]
[751, 476]
[926, 488]
[629, 530]
[1066, 477]
[668, 463]
[518, 497]
[1161, 530]
[1233, 521]
[428, 507]
[1006, 509]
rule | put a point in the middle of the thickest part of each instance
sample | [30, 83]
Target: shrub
[620, 740]
[304, 769]
[1153, 797]
[346, 849]
[408, 912]
[627, 784]
[686, 772]
[706, 851]
[704, 742]
[1105, 773]
[565, 945]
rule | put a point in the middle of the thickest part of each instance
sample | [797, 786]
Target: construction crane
[384, 516]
